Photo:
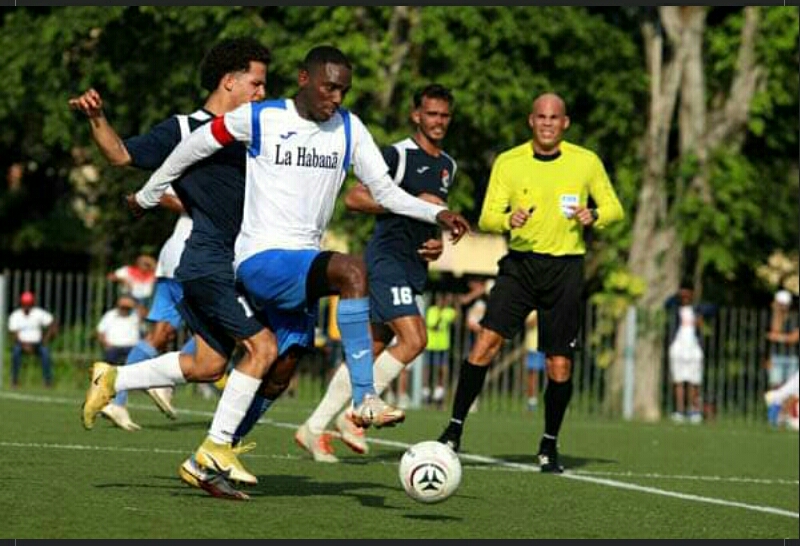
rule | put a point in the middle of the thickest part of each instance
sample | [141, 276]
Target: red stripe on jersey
[220, 132]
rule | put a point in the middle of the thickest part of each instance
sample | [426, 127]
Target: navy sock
[257, 408]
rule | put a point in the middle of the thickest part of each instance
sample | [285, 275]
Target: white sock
[788, 389]
[338, 393]
[387, 367]
[237, 396]
[161, 371]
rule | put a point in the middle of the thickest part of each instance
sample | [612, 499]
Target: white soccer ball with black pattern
[430, 471]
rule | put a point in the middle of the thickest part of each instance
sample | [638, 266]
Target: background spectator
[439, 319]
[534, 359]
[686, 352]
[32, 328]
[118, 331]
[137, 281]
[783, 337]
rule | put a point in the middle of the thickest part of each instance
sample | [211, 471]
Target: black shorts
[551, 284]
[217, 312]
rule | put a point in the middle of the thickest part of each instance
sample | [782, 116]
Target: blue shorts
[391, 295]
[166, 296]
[277, 278]
[438, 358]
[290, 328]
[215, 311]
[535, 360]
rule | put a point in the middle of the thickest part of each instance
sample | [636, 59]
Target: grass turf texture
[629, 480]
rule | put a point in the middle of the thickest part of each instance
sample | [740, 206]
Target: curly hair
[231, 55]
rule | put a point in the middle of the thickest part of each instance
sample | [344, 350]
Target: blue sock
[773, 414]
[258, 407]
[141, 351]
[352, 316]
[190, 347]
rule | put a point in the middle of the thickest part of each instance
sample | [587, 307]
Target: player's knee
[486, 347]
[350, 276]
[559, 368]
[416, 342]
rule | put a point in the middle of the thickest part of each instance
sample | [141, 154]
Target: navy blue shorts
[391, 295]
[217, 312]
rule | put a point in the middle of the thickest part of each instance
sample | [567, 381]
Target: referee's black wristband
[594, 214]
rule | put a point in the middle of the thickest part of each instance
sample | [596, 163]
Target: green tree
[713, 90]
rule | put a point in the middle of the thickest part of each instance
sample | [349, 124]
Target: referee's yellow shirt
[519, 180]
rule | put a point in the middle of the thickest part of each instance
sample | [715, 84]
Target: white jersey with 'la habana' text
[295, 170]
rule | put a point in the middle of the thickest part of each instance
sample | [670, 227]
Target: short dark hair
[325, 54]
[231, 55]
[433, 91]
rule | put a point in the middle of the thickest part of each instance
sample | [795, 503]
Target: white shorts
[686, 362]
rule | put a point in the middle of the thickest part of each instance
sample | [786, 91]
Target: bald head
[548, 120]
[549, 101]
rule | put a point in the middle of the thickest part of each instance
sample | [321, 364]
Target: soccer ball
[430, 471]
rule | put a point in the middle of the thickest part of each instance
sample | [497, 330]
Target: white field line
[590, 477]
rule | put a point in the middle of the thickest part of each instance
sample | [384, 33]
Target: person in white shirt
[32, 329]
[118, 330]
[686, 354]
[299, 153]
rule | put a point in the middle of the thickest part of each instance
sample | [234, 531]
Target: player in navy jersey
[397, 257]
[212, 192]
[299, 152]
[145, 151]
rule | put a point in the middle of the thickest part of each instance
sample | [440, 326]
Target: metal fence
[734, 344]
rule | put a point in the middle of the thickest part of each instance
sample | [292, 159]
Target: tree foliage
[144, 61]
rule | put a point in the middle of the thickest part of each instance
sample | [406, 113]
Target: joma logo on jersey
[303, 157]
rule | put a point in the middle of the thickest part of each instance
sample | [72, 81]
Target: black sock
[556, 400]
[470, 384]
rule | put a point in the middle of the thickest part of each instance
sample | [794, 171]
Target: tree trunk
[657, 253]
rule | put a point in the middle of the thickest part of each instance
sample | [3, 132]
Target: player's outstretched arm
[202, 143]
[105, 137]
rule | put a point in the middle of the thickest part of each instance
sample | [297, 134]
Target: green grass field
[626, 480]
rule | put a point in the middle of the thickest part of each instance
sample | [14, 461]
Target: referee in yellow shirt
[538, 191]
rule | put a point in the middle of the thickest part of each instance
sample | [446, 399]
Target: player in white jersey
[299, 152]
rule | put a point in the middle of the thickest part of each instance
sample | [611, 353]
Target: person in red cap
[32, 328]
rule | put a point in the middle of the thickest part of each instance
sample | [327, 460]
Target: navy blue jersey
[212, 192]
[397, 238]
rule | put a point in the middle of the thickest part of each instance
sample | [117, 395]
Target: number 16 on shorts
[402, 295]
